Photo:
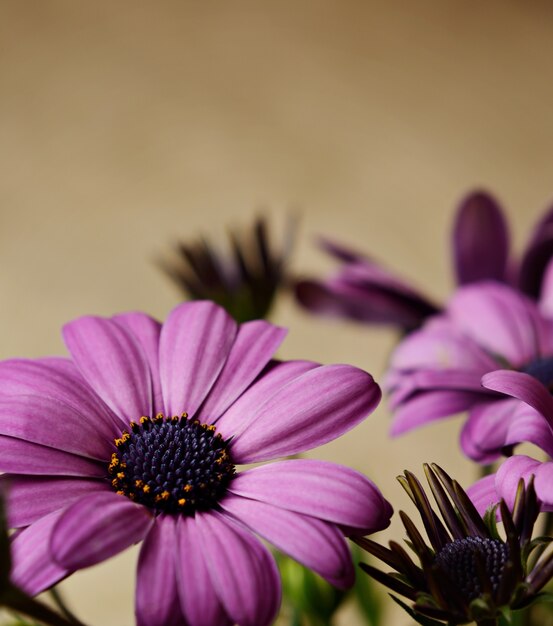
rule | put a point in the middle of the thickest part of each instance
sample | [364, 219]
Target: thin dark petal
[444, 504]
[506, 583]
[420, 547]
[512, 538]
[480, 240]
[389, 581]
[380, 552]
[539, 252]
[407, 566]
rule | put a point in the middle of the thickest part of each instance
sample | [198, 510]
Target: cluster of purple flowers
[140, 435]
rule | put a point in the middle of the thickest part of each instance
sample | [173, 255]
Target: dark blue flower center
[174, 464]
[459, 561]
[542, 370]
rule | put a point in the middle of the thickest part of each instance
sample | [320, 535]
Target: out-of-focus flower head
[490, 353]
[364, 291]
[138, 437]
[244, 279]
[468, 571]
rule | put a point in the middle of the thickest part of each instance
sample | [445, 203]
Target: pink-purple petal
[316, 544]
[331, 492]
[199, 604]
[510, 473]
[275, 376]
[524, 387]
[31, 497]
[313, 409]
[483, 493]
[254, 345]
[51, 423]
[23, 457]
[480, 239]
[97, 527]
[113, 364]
[146, 330]
[243, 572]
[501, 320]
[157, 602]
[33, 568]
[59, 380]
[195, 342]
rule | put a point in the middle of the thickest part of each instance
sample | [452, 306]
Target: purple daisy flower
[137, 437]
[488, 354]
[364, 291]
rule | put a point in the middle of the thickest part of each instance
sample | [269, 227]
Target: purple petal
[331, 492]
[502, 321]
[440, 345]
[509, 474]
[495, 426]
[546, 297]
[31, 497]
[483, 493]
[312, 542]
[428, 407]
[113, 364]
[50, 423]
[524, 387]
[157, 601]
[33, 569]
[22, 457]
[313, 409]
[480, 240]
[200, 606]
[195, 342]
[537, 256]
[255, 344]
[97, 527]
[58, 379]
[275, 376]
[242, 571]
[146, 330]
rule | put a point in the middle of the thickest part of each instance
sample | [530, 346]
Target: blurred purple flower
[490, 353]
[362, 290]
[94, 466]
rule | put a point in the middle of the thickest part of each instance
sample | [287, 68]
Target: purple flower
[137, 438]
[491, 354]
[362, 290]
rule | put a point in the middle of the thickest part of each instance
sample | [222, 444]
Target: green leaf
[420, 619]
[367, 599]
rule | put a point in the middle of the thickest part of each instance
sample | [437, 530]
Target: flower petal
[524, 387]
[157, 602]
[480, 240]
[314, 543]
[313, 409]
[275, 376]
[34, 569]
[242, 570]
[113, 364]
[427, 407]
[146, 330]
[483, 493]
[199, 604]
[255, 344]
[31, 497]
[331, 492]
[50, 423]
[510, 473]
[97, 527]
[22, 457]
[195, 342]
[60, 380]
[537, 255]
[501, 320]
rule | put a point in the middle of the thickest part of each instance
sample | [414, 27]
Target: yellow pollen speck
[211, 428]
[125, 436]
[182, 501]
[146, 489]
[144, 419]
[118, 442]
[121, 475]
[133, 424]
[119, 492]
[159, 417]
[123, 465]
[184, 415]
[115, 483]
[187, 488]
[165, 495]
[138, 483]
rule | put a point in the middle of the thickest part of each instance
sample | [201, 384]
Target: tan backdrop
[125, 125]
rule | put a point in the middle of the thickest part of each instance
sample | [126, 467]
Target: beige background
[125, 125]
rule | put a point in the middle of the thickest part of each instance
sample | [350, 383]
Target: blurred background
[126, 126]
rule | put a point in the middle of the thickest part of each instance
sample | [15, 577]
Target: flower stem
[60, 603]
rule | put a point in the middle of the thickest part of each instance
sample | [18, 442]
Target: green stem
[21, 603]
[60, 603]
[491, 621]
